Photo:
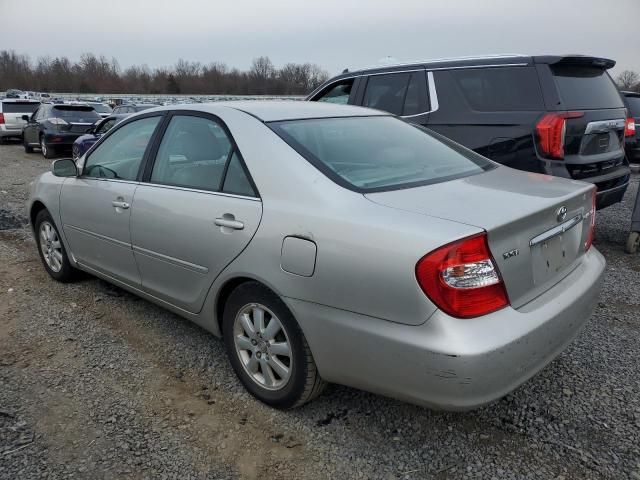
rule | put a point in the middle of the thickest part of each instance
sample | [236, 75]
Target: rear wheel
[27, 148]
[47, 151]
[633, 242]
[52, 252]
[267, 348]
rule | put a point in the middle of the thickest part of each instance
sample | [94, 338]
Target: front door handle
[122, 205]
[229, 222]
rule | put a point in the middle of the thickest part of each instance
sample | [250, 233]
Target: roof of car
[278, 110]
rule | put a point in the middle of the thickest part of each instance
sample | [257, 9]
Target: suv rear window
[500, 89]
[19, 107]
[583, 88]
[74, 113]
[369, 154]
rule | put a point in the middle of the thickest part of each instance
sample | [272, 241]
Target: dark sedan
[54, 128]
[83, 143]
[133, 107]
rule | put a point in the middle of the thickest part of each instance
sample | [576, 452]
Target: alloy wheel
[263, 346]
[51, 246]
[43, 147]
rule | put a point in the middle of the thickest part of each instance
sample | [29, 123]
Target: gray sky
[332, 33]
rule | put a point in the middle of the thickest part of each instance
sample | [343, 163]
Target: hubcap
[262, 346]
[50, 246]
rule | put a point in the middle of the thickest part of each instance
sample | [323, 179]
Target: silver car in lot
[330, 243]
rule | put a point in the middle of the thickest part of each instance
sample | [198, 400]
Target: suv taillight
[1, 118]
[462, 278]
[592, 221]
[630, 127]
[550, 130]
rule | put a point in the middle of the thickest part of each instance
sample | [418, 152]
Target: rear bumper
[450, 363]
[10, 132]
[64, 140]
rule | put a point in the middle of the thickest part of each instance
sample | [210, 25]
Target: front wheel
[47, 151]
[633, 242]
[267, 348]
[52, 252]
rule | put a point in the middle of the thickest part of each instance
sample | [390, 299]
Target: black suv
[559, 115]
[632, 132]
[54, 128]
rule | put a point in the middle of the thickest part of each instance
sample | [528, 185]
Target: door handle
[122, 205]
[229, 223]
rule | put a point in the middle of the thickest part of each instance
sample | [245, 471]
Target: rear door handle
[122, 205]
[229, 223]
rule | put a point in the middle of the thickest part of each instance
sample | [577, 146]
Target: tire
[302, 383]
[47, 151]
[56, 265]
[633, 242]
[27, 147]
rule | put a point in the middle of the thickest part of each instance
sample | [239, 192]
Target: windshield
[73, 113]
[19, 107]
[583, 88]
[369, 154]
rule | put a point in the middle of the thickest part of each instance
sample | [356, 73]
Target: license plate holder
[554, 255]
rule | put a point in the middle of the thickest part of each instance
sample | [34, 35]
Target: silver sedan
[330, 243]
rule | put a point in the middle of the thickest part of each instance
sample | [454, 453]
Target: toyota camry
[330, 243]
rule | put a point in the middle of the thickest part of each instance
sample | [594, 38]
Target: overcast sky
[332, 33]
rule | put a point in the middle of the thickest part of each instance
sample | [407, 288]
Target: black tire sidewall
[254, 292]
[66, 272]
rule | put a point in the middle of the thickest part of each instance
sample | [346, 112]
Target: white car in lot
[11, 112]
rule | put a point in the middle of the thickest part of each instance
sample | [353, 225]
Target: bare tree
[627, 79]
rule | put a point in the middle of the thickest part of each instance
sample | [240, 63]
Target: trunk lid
[523, 215]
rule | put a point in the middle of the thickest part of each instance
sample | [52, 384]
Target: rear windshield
[634, 106]
[368, 154]
[19, 107]
[583, 88]
[74, 113]
[101, 108]
[504, 89]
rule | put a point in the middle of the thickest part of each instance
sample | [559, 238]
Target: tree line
[97, 74]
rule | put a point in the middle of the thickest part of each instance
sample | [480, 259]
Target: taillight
[550, 130]
[462, 278]
[592, 221]
[56, 121]
[1, 118]
[630, 127]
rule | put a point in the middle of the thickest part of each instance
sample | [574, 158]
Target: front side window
[368, 154]
[120, 155]
[387, 92]
[337, 93]
[193, 153]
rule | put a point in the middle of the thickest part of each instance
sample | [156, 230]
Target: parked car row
[558, 115]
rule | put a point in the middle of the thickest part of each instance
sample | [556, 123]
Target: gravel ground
[96, 383]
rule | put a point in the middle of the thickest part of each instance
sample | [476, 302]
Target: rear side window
[75, 114]
[369, 154]
[387, 92]
[19, 107]
[500, 89]
[634, 106]
[583, 88]
[337, 93]
[416, 99]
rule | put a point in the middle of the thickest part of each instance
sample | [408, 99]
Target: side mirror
[64, 167]
[25, 117]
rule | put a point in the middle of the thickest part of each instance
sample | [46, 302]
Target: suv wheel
[52, 252]
[47, 151]
[267, 348]
[27, 148]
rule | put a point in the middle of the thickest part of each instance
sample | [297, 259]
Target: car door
[95, 207]
[195, 212]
